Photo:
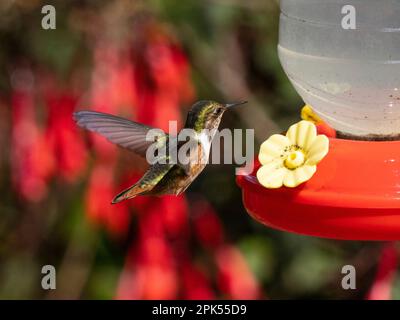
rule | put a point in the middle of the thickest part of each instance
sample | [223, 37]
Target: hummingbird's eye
[217, 111]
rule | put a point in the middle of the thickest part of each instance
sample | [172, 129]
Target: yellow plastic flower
[307, 113]
[292, 159]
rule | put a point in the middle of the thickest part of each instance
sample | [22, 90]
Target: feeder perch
[354, 195]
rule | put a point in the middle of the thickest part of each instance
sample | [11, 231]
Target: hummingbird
[161, 178]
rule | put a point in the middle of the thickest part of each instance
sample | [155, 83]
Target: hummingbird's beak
[230, 105]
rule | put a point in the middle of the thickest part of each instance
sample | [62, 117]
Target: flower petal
[295, 177]
[271, 175]
[318, 150]
[273, 148]
[302, 134]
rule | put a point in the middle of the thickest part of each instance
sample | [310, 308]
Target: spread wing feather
[123, 132]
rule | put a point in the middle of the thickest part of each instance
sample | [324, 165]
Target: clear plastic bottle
[351, 77]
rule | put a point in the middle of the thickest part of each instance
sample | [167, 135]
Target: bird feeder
[343, 58]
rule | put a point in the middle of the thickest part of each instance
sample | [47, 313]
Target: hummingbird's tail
[133, 191]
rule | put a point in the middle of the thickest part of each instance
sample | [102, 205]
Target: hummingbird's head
[207, 114]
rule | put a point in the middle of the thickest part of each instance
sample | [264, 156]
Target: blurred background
[149, 61]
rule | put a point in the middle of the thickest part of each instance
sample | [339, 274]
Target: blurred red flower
[149, 271]
[63, 137]
[207, 225]
[98, 202]
[45, 141]
[32, 161]
[235, 279]
[382, 286]
[195, 283]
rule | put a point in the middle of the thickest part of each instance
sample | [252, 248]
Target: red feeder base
[354, 195]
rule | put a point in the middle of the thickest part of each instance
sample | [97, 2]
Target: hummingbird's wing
[127, 134]
[123, 132]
